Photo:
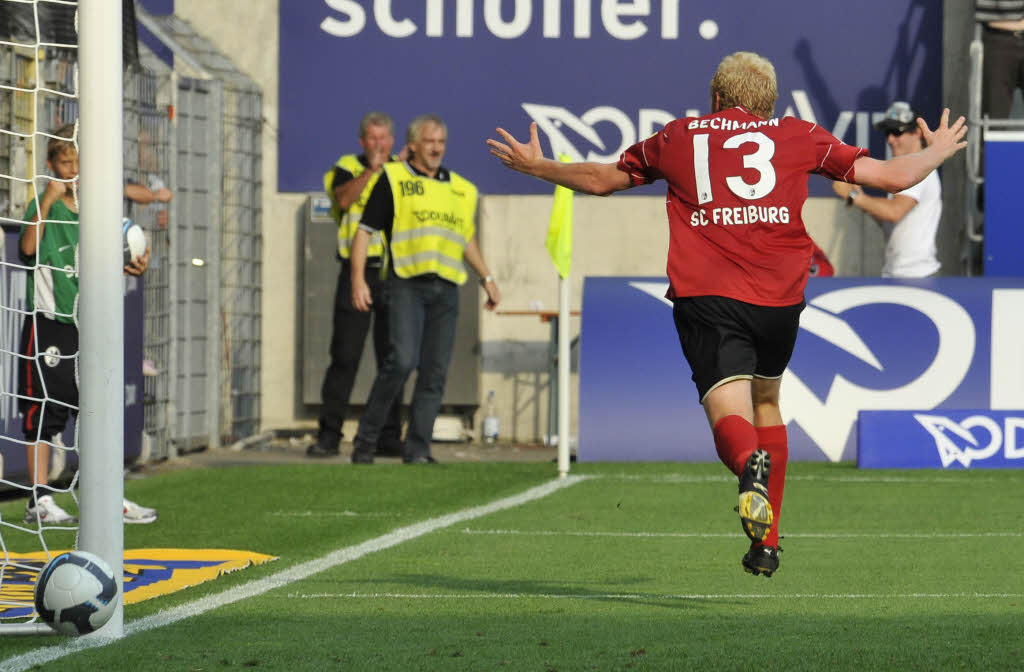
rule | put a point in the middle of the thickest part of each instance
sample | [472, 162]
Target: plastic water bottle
[490, 419]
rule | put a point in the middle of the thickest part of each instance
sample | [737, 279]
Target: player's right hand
[516, 155]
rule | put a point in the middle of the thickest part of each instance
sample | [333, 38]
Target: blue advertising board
[944, 439]
[864, 345]
[596, 75]
[1004, 236]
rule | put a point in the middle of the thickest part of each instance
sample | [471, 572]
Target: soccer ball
[134, 239]
[76, 593]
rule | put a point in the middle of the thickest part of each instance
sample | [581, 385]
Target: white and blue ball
[76, 593]
[133, 239]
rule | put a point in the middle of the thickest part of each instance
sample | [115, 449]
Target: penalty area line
[674, 478]
[653, 596]
[285, 577]
[729, 535]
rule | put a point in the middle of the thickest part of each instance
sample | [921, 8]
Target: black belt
[371, 262]
[429, 277]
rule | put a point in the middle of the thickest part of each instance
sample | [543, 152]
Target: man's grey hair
[375, 119]
[414, 128]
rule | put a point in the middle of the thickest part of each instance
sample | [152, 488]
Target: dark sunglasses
[894, 132]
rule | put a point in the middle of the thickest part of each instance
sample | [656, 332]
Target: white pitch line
[655, 596]
[728, 478]
[285, 577]
[717, 535]
[335, 514]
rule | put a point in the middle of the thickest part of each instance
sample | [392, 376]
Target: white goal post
[101, 309]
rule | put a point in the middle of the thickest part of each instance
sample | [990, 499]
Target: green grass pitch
[635, 567]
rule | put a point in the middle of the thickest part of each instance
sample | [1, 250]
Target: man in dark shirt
[348, 184]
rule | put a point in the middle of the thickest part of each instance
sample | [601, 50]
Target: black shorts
[725, 339]
[47, 384]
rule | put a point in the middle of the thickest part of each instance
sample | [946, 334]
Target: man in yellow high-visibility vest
[427, 215]
[348, 184]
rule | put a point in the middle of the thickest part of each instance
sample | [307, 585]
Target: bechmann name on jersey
[720, 124]
[748, 214]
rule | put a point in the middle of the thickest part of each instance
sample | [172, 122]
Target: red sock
[773, 440]
[735, 440]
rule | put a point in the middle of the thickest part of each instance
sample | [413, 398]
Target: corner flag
[559, 240]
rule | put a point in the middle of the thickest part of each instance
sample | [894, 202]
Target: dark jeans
[1002, 71]
[347, 339]
[423, 315]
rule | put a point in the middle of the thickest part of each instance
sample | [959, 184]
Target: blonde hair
[746, 79]
[62, 143]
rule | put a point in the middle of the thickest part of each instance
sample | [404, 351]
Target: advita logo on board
[959, 442]
[603, 132]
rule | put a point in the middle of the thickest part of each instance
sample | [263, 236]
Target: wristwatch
[854, 193]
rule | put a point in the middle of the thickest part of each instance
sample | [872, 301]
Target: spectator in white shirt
[910, 219]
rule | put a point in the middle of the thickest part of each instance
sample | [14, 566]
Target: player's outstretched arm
[903, 172]
[588, 177]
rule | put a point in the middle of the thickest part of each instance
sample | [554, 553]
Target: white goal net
[43, 74]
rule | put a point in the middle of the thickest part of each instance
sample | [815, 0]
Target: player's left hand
[518, 156]
[138, 265]
[947, 138]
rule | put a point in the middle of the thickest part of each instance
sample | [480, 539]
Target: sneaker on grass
[754, 509]
[47, 512]
[138, 515]
[762, 559]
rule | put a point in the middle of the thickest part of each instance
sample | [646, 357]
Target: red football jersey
[736, 187]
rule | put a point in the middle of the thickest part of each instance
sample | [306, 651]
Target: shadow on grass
[526, 589]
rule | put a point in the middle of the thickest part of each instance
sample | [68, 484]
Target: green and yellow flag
[559, 241]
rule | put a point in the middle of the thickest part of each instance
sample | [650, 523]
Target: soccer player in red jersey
[739, 255]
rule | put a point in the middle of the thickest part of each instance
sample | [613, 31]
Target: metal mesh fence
[196, 260]
[197, 134]
[147, 162]
[241, 251]
[219, 171]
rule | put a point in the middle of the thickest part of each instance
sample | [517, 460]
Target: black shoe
[362, 453]
[390, 448]
[761, 560]
[325, 446]
[421, 459]
[754, 509]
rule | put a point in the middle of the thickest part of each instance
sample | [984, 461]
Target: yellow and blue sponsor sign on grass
[148, 573]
